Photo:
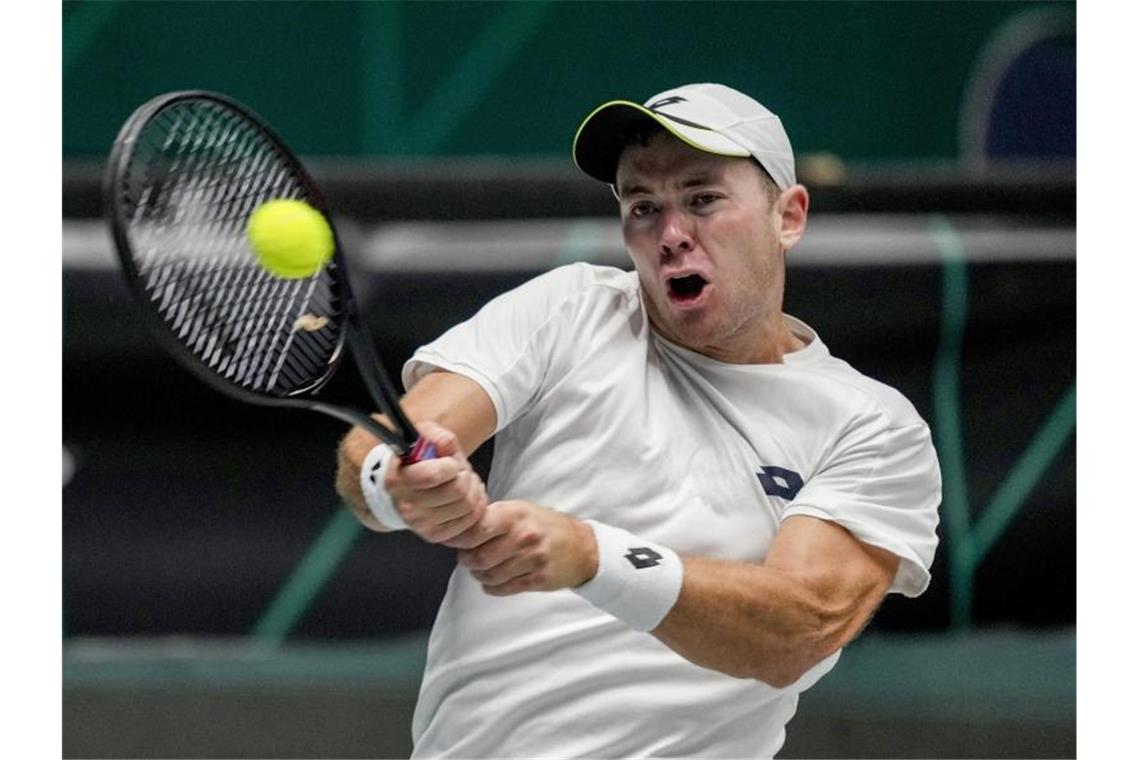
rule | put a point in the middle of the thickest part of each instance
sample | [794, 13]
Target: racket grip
[422, 449]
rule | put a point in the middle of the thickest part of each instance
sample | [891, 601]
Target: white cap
[708, 117]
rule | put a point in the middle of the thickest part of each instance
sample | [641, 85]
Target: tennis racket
[185, 173]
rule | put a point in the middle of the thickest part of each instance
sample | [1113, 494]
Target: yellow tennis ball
[291, 238]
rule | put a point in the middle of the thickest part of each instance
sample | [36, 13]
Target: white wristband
[637, 581]
[372, 485]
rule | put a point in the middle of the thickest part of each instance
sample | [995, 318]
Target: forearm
[752, 621]
[815, 590]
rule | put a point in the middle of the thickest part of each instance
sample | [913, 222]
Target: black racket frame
[352, 332]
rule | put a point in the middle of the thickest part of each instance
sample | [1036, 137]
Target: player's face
[707, 246]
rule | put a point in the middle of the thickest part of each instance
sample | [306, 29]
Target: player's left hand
[521, 546]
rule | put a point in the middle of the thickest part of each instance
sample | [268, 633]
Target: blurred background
[219, 602]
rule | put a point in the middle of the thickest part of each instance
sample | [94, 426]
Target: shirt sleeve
[515, 345]
[883, 484]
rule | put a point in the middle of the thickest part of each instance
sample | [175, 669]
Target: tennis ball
[291, 238]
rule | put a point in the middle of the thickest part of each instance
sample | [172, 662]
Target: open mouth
[686, 289]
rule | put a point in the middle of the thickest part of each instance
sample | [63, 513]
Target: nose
[676, 236]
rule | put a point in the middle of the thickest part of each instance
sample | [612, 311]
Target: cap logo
[666, 102]
[657, 104]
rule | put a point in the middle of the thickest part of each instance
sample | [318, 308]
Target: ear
[792, 207]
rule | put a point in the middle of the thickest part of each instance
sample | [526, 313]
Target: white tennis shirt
[601, 418]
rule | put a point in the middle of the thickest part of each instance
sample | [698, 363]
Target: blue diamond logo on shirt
[781, 482]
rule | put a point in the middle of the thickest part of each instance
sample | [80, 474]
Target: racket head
[183, 176]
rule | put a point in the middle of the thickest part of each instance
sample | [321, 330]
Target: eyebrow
[696, 180]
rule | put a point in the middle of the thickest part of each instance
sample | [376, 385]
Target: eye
[704, 199]
[641, 209]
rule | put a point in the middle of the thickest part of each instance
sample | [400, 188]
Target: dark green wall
[863, 80]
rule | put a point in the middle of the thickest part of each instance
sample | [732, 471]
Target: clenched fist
[438, 498]
[521, 546]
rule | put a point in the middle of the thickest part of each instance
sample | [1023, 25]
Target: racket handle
[422, 449]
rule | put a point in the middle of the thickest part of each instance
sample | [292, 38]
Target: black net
[196, 172]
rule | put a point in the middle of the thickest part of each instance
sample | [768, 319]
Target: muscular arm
[772, 621]
[812, 595]
[452, 401]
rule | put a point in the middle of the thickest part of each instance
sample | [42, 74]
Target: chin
[691, 329]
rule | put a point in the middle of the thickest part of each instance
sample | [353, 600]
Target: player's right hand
[438, 498]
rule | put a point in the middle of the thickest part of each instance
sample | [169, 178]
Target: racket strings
[197, 171]
[253, 335]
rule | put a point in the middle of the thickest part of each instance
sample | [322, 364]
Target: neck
[765, 342]
[760, 342]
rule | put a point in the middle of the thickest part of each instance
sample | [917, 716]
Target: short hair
[642, 132]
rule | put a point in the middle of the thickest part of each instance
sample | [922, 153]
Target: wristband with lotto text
[637, 581]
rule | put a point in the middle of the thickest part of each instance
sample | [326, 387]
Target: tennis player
[693, 505]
